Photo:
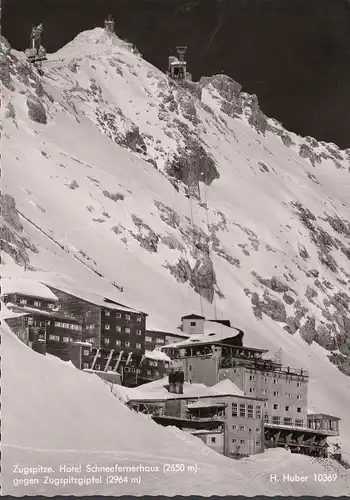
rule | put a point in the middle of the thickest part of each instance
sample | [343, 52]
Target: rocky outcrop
[113, 196]
[147, 238]
[36, 110]
[121, 130]
[191, 165]
[269, 305]
[307, 152]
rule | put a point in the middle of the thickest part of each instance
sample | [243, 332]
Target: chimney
[176, 382]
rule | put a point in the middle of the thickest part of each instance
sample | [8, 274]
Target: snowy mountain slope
[98, 156]
[45, 423]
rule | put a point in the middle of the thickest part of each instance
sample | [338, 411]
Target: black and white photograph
[175, 247]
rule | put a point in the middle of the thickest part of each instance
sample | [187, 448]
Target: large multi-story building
[215, 352]
[115, 331]
[230, 422]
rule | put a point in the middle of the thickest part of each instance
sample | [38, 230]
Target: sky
[294, 55]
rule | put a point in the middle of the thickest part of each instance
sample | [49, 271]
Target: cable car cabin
[177, 68]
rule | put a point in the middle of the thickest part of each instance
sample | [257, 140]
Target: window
[149, 372]
[127, 316]
[127, 344]
[138, 345]
[299, 409]
[276, 420]
[193, 323]
[299, 396]
[275, 381]
[118, 315]
[189, 368]
[91, 340]
[234, 409]
[66, 339]
[258, 412]
[252, 377]
[157, 374]
[258, 444]
[288, 382]
[97, 367]
[257, 429]
[118, 328]
[159, 341]
[299, 384]
[118, 342]
[234, 440]
[54, 337]
[288, 408]
[265, 380]
[85, 365]
[37, 303]
[242, 441]
[299, 422]
[251, 389]
[107, 327]
[265, 391]
[276, 393]
[242, 410]
[139, 318]
[250, 411]
[107, 313]
[138, 332]
[86, 352]
[289, 395]
[106, 341]
[213, 440]
[30, 321]
[242, 428]
[23, 301]
[148, 339]
[127, 330]
[276, 406]
[88, 313]
[166, 365]
[287, 420]
[234, 427]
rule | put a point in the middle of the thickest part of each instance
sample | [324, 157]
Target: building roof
[156, 391]
[192, 316]
[94, 298]
[321, 415]
[27, 311]
[167, 333]
[157, 355]
[28, 287]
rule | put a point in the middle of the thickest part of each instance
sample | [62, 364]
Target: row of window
[287, 408]
[275, 381]
[242, 441]
[68, 325]
[119, 315]
[288, 395]
[157, 341]
[117, 329]
[125, 343]
[246, 411]
[57, 338]
[286, 420]
[37, 303]
[41, 324]
[244, 428]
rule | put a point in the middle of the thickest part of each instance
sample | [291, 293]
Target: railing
[233, 362]
[329, 432]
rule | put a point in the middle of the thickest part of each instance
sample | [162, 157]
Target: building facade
[158, 338]
[116, 332]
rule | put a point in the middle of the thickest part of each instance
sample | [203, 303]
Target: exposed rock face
[269, 305]
[113, 196]
[121, 130]
[307, 152]
[36, 110]
[192, 165]
[12, 241]
[147, 238]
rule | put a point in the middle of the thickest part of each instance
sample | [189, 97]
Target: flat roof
[312, 416]
[189, 396]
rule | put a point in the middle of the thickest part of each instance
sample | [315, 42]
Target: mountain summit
[177, 199]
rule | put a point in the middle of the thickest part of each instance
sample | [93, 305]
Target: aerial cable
[195, 249]
[207, 218]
